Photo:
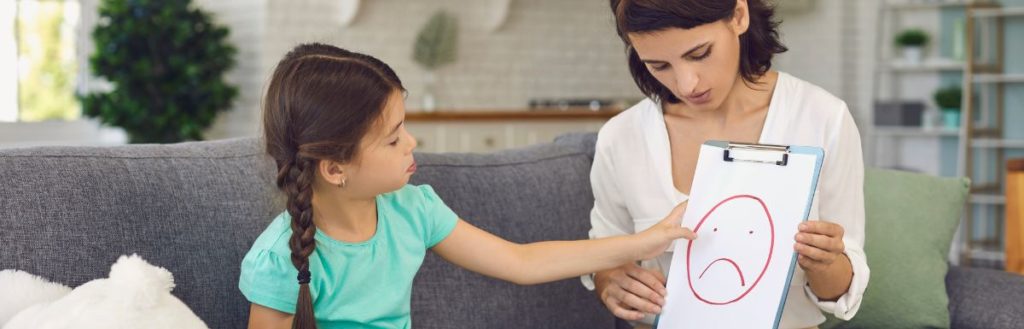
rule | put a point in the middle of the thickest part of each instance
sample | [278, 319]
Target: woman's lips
[699, 99]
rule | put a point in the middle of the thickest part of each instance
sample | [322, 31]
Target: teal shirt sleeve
[269, 279]
[440, 220]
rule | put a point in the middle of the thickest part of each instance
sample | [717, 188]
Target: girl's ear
[740, 21]
[333, 172]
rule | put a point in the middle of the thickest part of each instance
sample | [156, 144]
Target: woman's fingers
[818, 243]
[620, 311]
[814, 254]
[823, 242]
[630, 291]
[808, 264]
[822, 227]
[639, 296]
[639, 303]
[651, 278]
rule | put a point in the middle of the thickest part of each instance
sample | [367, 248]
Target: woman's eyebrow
[687, 53]
[694, 49]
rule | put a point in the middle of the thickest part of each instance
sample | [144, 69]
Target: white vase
[913, 55]
[429, 102]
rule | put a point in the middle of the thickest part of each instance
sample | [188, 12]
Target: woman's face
[700, 65]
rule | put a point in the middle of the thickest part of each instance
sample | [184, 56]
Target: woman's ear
[740, 21]
[333, 172]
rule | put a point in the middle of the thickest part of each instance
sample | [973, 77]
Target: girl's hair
[320, 103]
[757, 45]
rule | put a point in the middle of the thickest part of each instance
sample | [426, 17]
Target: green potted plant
[434, 48]
[912, 42]
[948, 99]
[166, 62]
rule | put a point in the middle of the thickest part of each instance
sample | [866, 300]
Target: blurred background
[935, 86]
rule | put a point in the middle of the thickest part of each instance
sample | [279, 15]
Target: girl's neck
[345, 218]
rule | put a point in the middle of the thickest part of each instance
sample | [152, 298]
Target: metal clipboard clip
[757, 153]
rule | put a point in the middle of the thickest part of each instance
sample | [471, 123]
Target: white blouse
[633, 188]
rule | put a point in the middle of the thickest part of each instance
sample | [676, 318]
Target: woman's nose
[686, 82]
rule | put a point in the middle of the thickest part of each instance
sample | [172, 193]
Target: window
[39, 59]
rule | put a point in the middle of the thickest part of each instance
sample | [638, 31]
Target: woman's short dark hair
[757, 46]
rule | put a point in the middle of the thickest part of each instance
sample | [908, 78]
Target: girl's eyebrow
[393, 130]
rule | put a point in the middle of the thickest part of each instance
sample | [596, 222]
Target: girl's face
[384, 161]
[700, 65]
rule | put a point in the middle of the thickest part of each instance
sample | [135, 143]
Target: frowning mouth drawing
[743, 282]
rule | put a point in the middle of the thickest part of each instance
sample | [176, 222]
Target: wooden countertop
[580, 113]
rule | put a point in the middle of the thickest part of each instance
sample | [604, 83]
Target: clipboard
[746, 202]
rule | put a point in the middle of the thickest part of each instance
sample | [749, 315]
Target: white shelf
[988, 198]
[931, 65]
[996, 143]
[999, 78]
[885, 131]
[999, 12]
[989, 255]
[918, 5]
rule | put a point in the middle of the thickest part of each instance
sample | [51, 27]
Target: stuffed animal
[136, 295]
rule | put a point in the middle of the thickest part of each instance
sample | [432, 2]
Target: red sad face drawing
[734, 247]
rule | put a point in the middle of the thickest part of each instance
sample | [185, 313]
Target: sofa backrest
[67, 213]
[533, 194]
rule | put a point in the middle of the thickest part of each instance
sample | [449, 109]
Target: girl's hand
[654, 240]
[819, 244]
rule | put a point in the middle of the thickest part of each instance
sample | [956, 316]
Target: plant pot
[913, 54]
[951, 118]
[429, 102]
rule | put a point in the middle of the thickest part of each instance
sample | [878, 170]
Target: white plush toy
[137, 295]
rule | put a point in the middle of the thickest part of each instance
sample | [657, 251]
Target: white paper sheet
[736, 273]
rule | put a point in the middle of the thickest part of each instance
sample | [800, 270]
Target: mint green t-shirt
[353, 285]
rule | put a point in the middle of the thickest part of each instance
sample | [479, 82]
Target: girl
[354, 234]
[706, 69]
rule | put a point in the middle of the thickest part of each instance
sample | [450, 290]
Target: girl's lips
[412, 168]
[701, 98]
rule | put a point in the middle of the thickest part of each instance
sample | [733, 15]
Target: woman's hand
[819, 244]
[821, 254]
[654, 240]
[630, 291]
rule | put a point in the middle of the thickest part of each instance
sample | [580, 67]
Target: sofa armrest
[984, 298]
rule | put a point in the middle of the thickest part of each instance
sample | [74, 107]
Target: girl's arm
[262, 317]
[533, 263]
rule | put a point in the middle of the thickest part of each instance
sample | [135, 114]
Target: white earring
[343, 183]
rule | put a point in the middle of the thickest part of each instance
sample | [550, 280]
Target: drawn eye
[716, 229]
[751, 232]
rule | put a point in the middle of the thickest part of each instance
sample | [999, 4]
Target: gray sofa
[67, 213]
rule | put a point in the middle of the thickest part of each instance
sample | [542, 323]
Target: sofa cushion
[911, 219]
[985, 298]
[67, 213]
[526, 195]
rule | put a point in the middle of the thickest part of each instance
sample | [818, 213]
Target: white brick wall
[546, 49]
[247, 21]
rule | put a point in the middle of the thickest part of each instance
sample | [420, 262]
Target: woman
[706, 69]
